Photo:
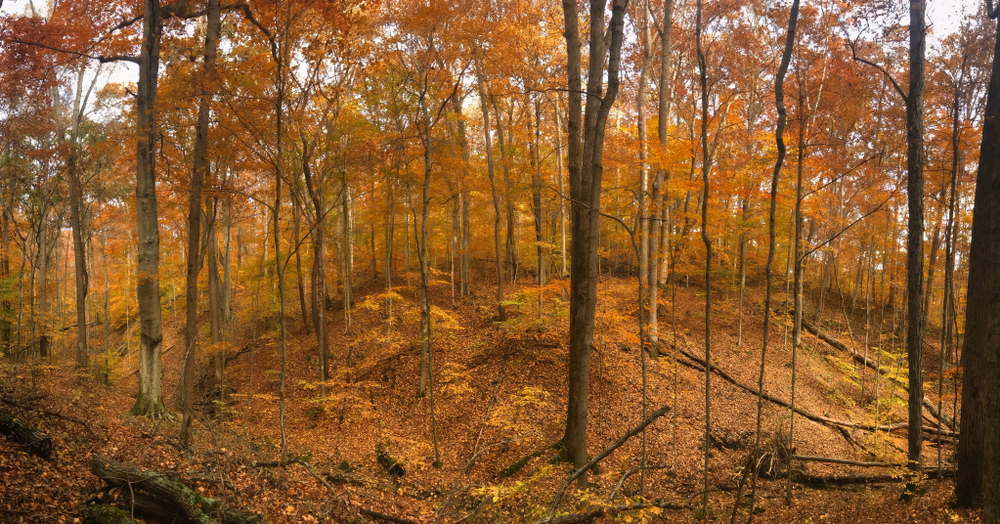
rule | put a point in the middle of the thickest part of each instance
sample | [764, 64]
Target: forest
[470, 261]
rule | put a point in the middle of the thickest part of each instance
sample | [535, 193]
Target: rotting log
[155, 496]
[27, 437]
[105, 514]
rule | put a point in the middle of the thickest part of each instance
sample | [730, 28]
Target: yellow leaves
[454, 382]
[447, 319]
[534, 396]
[378, 301]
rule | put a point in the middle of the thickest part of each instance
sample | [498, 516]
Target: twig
[629, 473]
[579, 472]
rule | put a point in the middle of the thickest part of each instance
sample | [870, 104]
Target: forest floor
[499, 395]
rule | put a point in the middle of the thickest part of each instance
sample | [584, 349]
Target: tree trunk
[586, 170]
[211, 250]
[6, 326]
[426, 371]
[80, 259]
[779, 139]
[510, 250]
[706, 193]
[491, 171]
[915, 231]
[317, 286]
[929, 290]
[299, 278]
[536, 195]
[227, 274]
[562, 191]
[978, 479]
[149, 401]
[347, 252]
[43, 295]
[463, 203]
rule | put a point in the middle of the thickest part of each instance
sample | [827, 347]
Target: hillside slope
[499, 397]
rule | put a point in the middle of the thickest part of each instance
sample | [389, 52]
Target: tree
[978, 479]
[149, 401]
[586, 149]
[915, 232]
[200, 168]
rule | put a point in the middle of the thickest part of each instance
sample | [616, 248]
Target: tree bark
[201, 168]
[706, 193]
[149, 401]
[317, 287]
[978, 479]
[915, 230]
[490, 170]
[779, 140]
[586, 148]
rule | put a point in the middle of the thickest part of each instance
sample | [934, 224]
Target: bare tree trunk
[299, 278]
[798, 269]
[745, 206]
[536, 186]
[77, 223]
[562, 191]
[149, 401]
[645, 209]
[211, 252]
[706, 193]
[6, 326]
[490, 170]
[586, 148]
[929, 289]
[107, 310]
[915, 232]
[227, 273]
[347, 251]
[510, 250]
[201, 167]
[779, 139]
[317, 286]
[978, 478]
[463, 204]
[43, 296]
[426, 342]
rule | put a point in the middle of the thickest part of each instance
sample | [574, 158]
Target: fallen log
[867, 362]
[699, 364]
[820, 481]
[834, 460]
[27, 437]
[105, 514]
[155, 496]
